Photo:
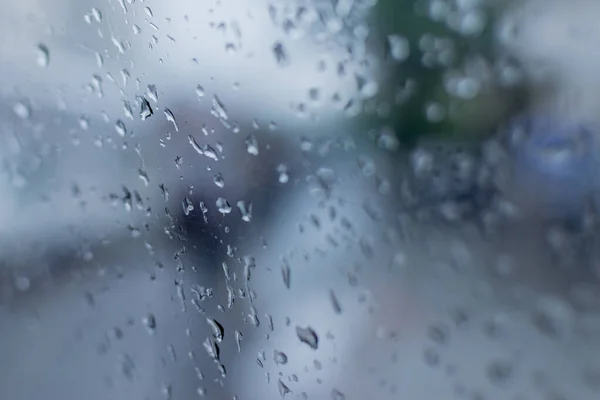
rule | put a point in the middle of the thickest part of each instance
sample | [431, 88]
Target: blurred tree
[447, 39]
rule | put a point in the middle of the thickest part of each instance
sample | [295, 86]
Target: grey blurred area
[192, 207]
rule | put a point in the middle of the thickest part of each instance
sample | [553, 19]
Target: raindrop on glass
[43, 55]
[308, 336]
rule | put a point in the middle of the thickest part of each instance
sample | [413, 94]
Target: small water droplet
[209, 152]
[187, 206]
[143, 176]
[283, 389]
[212, 348]
[22, 109]
[22, 283]
[398, 47]
[335, 303]
[200, 92]
[252, 145]
[152, 93]
[145, 109]
[286, 275]
[337, 395]
[280, 357]
[84, 123]
[218, 180]
[150, 323]
[97, 14]
[43, 56]
[238, 339]
[245, 210]
[218, 108]
[217, 329]
[171, 118]
[223, 206]
[280, 54]
[127, 367]
[308, 336]
[499, 372]
[120, 128]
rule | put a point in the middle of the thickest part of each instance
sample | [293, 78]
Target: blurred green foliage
[470, 119]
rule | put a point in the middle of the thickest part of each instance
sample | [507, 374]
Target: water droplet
[120, 128]
[252, 145]
[209, 152]
[245, 210]
[217, 329]
[218, 180]
[43, 56]
[127, 110]
[280, 54]
[398, 47]
[308, 336]
[282, 170]
[145, 109]
[84, 123]
[432, 357]
[187, 206]
[439, 333]
[200, 92]
[22, 110]
[280, 357]
[97, 14]
[99, 60]
[118, 44]
[143, 176]
[218, 108]
[238, 339]
[212, 348]
[149, 12]
[286, 274]
[223, 206]
[171, 118]
[337, 395]
[499, 372]
[150, 323]
[334, 302]
[127, 367]
[282, 388]
[152, 93]
[22, 283]
[553, 317]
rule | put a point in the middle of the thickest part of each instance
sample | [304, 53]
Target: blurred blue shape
[554, 162]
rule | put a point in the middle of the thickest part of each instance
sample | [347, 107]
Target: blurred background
[314, 199]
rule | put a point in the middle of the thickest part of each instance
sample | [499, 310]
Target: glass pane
[348, 199]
